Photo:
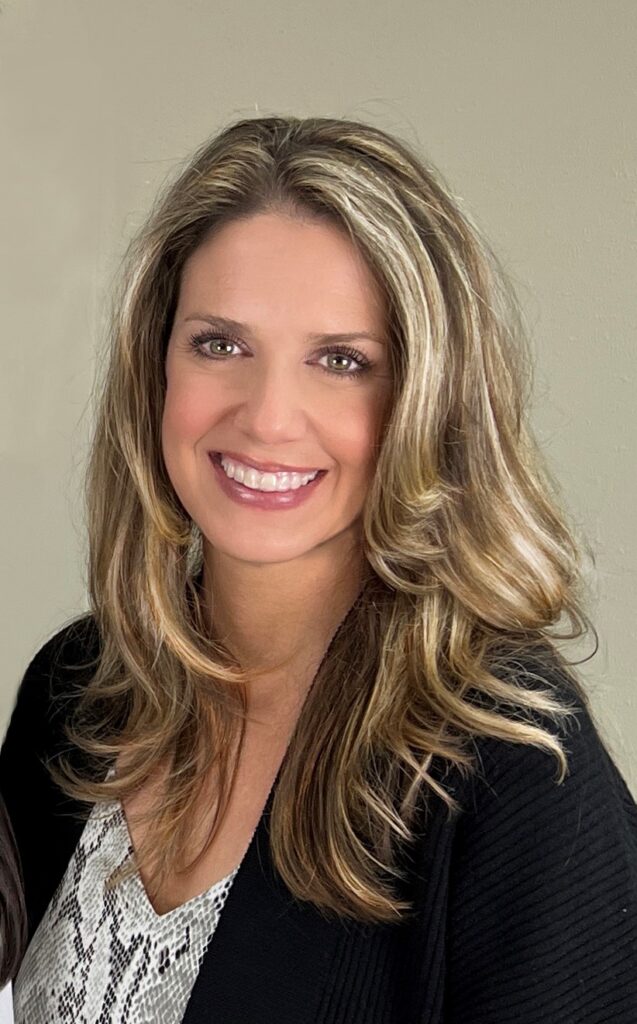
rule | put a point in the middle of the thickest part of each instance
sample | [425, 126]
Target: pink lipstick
[267, 500]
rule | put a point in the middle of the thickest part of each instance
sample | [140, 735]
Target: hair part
[471, 565]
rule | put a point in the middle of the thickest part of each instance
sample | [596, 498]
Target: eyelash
[199, 340]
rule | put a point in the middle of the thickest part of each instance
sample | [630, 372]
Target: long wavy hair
[470, 563]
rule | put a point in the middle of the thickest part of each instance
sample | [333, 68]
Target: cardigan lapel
[270, 956]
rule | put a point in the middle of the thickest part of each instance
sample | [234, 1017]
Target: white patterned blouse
[102, 954]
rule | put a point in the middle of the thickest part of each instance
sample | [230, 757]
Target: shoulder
[50, 684]
[523, 771]
[44, 820]
[544, 872]
[69, 653]
[71, 648]
[521, 781]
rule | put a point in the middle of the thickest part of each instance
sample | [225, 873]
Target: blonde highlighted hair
[470, 564]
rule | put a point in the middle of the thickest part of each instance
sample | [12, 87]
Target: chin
[266, 552]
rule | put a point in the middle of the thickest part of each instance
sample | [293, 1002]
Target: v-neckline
[123, 824]
[137, 881]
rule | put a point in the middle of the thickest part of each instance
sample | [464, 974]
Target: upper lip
[267, 467]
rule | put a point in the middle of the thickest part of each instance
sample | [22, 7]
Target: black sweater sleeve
[543, 901]
[44, 820]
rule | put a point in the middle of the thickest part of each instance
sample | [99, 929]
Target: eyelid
[198, 339]
[341, 348]
[209, 334]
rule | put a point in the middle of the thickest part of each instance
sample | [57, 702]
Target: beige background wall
[527, 107]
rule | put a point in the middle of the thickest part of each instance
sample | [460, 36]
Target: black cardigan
[526, 902]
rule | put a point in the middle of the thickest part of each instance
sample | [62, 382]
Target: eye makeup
[206, 337]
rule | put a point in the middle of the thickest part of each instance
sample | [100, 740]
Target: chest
[211, 861]
[274, 957]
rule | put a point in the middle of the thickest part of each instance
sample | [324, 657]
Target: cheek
[353, 442]
[187, 414]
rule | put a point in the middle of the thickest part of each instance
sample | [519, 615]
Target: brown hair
[470, 561]
[13, 920]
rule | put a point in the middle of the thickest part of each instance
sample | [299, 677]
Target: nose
[272, 410]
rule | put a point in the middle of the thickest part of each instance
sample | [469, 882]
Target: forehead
[274, 265]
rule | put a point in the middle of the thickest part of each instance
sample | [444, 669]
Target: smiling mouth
[262, 467]
[265, 481]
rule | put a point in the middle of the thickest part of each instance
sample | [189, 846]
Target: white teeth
[257, 481]
[283, 483]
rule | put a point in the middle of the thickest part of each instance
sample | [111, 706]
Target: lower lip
[264, 499]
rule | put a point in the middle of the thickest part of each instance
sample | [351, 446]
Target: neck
[278, 618]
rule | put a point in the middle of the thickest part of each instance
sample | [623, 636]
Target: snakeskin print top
[102, 954]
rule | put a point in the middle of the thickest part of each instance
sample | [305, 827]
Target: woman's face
[258, 390]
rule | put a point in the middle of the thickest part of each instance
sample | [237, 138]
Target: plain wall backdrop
[528, 109]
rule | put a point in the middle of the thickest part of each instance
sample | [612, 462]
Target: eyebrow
[225, 323]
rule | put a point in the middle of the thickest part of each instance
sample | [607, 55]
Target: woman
[335, 765]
